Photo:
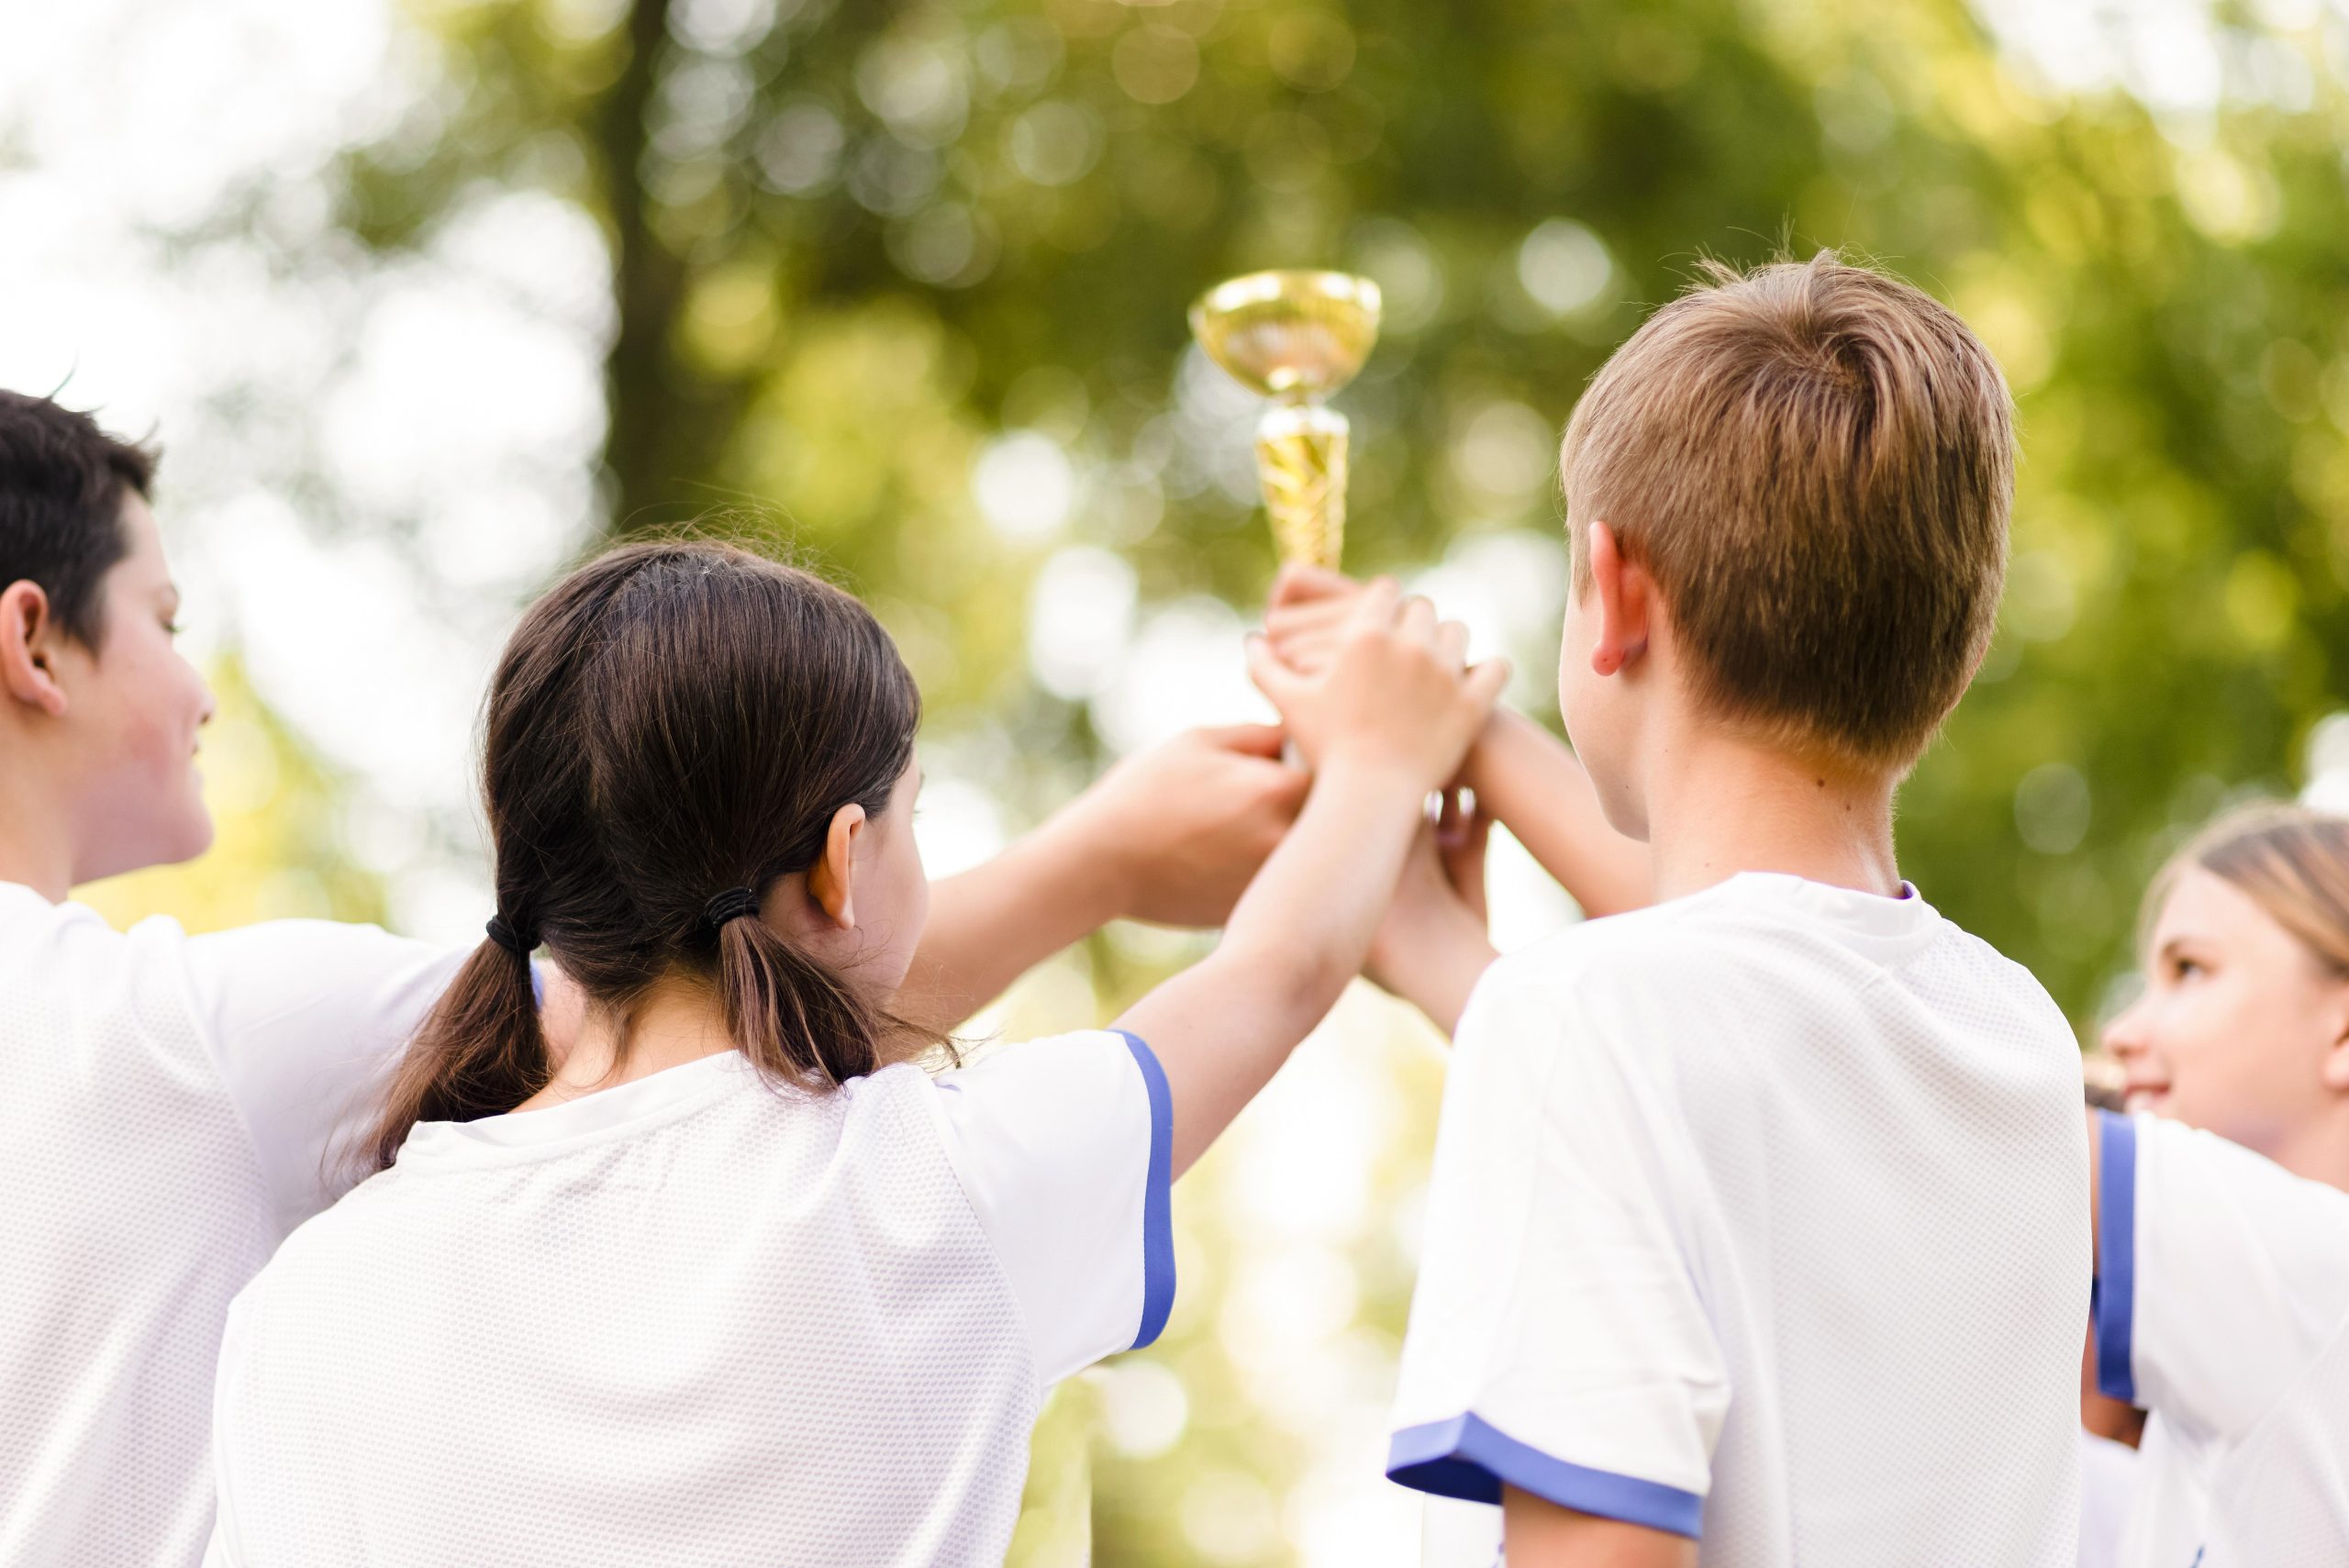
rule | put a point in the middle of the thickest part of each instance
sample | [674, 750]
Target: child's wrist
[1506, 730]
[1369, 769]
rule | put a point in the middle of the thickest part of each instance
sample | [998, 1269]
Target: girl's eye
[2185, 968]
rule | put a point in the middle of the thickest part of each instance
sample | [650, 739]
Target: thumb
[1248, 740]
[1300, 581]
[1486, 680]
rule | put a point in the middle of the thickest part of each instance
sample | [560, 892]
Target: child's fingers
[1452, 644]
[1302, 581]
[1486, 680]
[1416, 620]
[1318, 618]
[1275, 680]
[1375, 608]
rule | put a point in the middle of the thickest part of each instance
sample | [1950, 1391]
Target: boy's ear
[831, 881]
[28, 633]
[1626, 597]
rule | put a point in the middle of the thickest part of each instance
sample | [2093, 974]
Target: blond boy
[1758, 1226]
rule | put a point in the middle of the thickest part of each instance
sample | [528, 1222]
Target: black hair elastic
[730, 904]
[503, 933]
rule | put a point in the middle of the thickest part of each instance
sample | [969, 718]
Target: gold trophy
[1294, 336]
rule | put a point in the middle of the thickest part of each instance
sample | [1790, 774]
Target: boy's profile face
[134, 710]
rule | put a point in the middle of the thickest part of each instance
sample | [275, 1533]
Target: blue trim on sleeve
[2115, 1299]
[1468, 1458]
[1157, 1200]
[538, 983]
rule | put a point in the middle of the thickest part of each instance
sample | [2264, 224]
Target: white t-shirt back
[2223, 1309]
[170, 1107]
[695, 1320]
[1761, 1216]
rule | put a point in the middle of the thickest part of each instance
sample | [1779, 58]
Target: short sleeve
[1557, 1343]
[1064, 1148]
[2221, 1276]
[304, 1018]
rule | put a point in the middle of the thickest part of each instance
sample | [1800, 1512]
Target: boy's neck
[1718, 805]
[37, 848]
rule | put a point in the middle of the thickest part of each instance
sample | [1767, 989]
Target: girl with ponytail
[736, 1279]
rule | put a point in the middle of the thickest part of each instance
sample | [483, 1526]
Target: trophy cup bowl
[1294, 336]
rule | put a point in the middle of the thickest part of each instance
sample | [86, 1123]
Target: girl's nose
[2124, 1036]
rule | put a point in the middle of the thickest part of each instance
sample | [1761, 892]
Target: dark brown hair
[671, 721]
[1815, 462]
[62, 483]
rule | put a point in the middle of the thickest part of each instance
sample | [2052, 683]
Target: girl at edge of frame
[738, 1280]
[2222, 1308]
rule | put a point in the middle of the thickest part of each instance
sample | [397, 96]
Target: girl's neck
[676, 1022]
[2318, 1149]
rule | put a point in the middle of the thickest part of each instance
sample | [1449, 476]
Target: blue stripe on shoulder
[1157, 1204]
[2116, 1261]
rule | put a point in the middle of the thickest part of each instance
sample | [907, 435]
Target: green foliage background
[854, 241]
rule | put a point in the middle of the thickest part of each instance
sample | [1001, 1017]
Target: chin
[190, 835]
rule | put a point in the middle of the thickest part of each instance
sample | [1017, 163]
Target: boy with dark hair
[171, 1106]
[1714, 1175]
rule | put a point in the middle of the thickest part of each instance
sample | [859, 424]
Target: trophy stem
[1301, 462]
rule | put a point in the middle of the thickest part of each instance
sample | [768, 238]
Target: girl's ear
[2334, 1072]
[831, 881]
[26, 630]
[1621, 587]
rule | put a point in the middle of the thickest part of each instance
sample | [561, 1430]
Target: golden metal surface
[1296, 337]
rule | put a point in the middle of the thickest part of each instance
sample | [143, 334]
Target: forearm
[1530, 782]
[1540, 1534]
[990, 924]
[1440, 978]
[1223, 1028]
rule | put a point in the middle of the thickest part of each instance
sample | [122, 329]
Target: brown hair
[2290, 860]
[673, 720]
[1815, 462]
[63, 484]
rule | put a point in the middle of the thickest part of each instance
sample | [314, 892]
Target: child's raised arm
[1522, 774]
[1170, 836]
[1382, 727]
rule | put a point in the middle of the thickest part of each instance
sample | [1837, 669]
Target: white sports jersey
[2223, 1309]
[1761, 1216]
[695, 1320]
[169, 1106]
[2108, 1494]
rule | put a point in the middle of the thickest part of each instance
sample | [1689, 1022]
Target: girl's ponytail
[798, 1021]
[481, 1051]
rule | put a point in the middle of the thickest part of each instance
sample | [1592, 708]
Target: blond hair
[2291, 861]
[1814, 461]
